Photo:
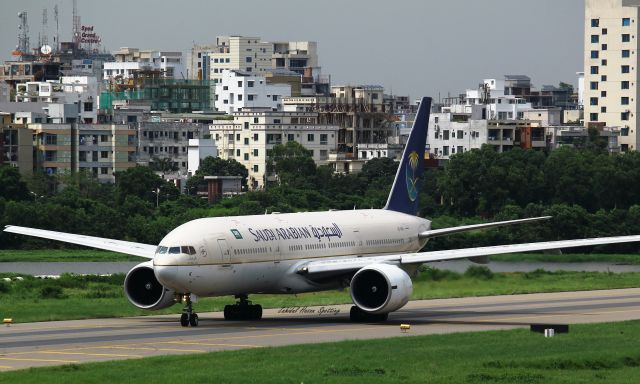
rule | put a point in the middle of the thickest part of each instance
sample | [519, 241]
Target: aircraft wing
[449, 231]
[348, 264]
[127, 247]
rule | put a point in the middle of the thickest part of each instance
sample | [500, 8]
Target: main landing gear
[188, 316]
[243, 310]
[357, 315]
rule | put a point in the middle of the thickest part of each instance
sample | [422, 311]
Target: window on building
[624, 100]
[595, 54]
[248, 59]
[594, 69]
[225, 88]
[227, 60]
[250, 97]
[593, 101]
[626, 53]
[255, 137]
[237, 153]
[255, 168]
[595, 23]
[88, 107]
[246, 157]
[624, 131]
[237, 137]
[250, 83]
[50, 139]
[246, 141]
[255, 153]
[246, 125]
[445, 150]
[604, 62]
[603, 78]
[310, 137]
[248, 69]
[625, 69]
[240, 83]
[603, 109]
[104, 170]
[256, 120]
[459, 134]
[82, 155]
[604, 47]
[240, 97]
[104, 154]
[323, 138]
[593, 117]
[603, 93]
[626, 37]
[624, 85]
[594, 85]
[291, 137]
[624, 116]
[445, 135]
[595, 39]
[626, 22]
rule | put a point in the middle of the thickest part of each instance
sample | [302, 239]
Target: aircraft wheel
[184, 320]
[193, 320]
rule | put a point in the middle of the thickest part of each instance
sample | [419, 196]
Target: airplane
[374, 252]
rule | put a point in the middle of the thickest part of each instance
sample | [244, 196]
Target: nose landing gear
[243, 310]
[189, 317]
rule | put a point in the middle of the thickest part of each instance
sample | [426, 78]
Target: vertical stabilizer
[406, 186]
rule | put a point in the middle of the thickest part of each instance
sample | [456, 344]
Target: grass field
[77, 297]
[57, 255]
[600, 353]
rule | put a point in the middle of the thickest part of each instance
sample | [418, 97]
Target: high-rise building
[248, 54]
[610, 67]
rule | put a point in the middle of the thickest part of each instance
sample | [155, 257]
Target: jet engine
[381, 288]
[144, 291]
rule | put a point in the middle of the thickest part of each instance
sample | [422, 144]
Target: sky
[411, 47]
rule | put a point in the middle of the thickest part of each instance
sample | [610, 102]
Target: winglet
[406, 186]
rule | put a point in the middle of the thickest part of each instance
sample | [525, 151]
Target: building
[295, 56]
[578, 136]
[198, 68]
[164, 145]
[239, 90]
[240, 53]
[16, 145]
[611, 74]
[131, 61]
[252, 134]
[198, 150]
[79, 92]
[99, 149]
[502, 102]
[14, 72]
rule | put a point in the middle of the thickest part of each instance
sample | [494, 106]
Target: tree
[567, 87]
[293, 164]
[215, 166]
[12, 187]
[144, 183]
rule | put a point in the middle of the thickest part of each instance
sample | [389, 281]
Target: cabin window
[162, 250]
[174, 250]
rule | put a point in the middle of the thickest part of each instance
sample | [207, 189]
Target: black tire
[184, 320]
[228, 312]
[193, 320]
[356, 315]
[256, 312]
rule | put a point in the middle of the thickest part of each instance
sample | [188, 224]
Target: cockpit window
[188, 250]
[174, 250]
[161, 250]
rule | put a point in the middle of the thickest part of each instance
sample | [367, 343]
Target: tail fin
[406, 186]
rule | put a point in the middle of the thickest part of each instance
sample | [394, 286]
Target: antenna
[76, 25]
[55, 16]
[44, 40]
[23, 35]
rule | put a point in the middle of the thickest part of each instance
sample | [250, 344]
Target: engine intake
[145, 291]
[381, 288]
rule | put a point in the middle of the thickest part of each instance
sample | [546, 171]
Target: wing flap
[127, 247]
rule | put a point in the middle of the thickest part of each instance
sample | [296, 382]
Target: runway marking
[214, 345]
[147, 349]
[5, 367]
[557, 315]
[83, 353]
[39, 360]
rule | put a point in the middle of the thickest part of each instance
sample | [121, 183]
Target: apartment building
[610, 67]
[167, 144]
[16, 145]
[239, 90]
[252, 134]
[130, 61]
[243, 53]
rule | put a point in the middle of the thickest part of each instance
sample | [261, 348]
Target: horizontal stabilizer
[466, 228]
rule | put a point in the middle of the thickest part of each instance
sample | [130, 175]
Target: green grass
[78, 297]
[596, 353]
[570, 258]
[66, 255]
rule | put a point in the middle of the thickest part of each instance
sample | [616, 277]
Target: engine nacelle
[144, 291]
[381, 288]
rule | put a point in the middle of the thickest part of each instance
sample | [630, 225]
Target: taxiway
[79, 341]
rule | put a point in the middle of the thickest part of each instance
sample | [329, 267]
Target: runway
[73, 342]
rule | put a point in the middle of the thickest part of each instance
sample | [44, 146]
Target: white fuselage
[261, 254]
